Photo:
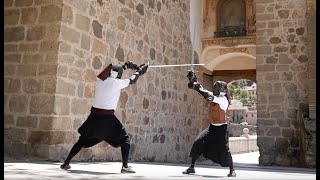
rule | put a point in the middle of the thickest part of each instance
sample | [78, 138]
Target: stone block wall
[31, 31]
[282, 79]
[61, 49]
[157, 112]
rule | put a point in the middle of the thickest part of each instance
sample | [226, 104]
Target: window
[231, 18]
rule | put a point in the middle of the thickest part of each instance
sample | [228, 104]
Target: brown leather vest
[218, 115]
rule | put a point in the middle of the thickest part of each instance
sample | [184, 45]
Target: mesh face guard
[116, 71]
[219, 86]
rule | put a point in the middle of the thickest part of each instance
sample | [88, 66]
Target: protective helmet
[116, 71]
[221, 88]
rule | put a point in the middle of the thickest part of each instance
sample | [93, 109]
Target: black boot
[189, 170]
[65, 166]
[232, 173]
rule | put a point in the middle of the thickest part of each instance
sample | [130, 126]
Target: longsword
[174, 65]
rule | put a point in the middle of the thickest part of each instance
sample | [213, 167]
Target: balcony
[231, 31]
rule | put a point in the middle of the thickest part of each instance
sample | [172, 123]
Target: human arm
[194, 84]
[130, 65]
[141, 70]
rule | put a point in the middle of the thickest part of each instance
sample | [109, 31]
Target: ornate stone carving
[230, 50]
[229, 42]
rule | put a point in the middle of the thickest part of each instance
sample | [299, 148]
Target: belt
[102, 111]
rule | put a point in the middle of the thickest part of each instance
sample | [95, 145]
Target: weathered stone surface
[303, 58]
[23, 3]
[36, 33]
[79, 107]
[65, 88]
[90, 76]
[18, 103]
[275, 40]
[82, 22]
[99, 47]
[300, 31]
[123, 99]
[9, 70]
[275, 99]
[97, 28]
[145, 103]
[62, 105]
[50, 13]
[48, 70]
[27, 121]
[280, 49]
[121, 21]
[152, 53]
[140, 9]
[29, 15]
[67, 14]
[268, 142]
[8, 3]
[13, 34]
[291, 37]
[70, 35]
[32, 86]
[41, 104]
[271, 60]
[28, 47]
[96, 63]
[12, 85]
[120, 54]
[26, 70]
[16, 134]
[11, 17]
[83, 6]
[283, 14]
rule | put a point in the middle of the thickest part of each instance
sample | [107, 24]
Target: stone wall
[31, 30]
[68, 43]
[282, 66]
[157, 111]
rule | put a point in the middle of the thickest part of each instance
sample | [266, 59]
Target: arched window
[231, 18]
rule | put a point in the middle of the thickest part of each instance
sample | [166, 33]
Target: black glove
[194, 85]
[190, 85]
[192, 76]
[143, 68]
[133, 79]
[130, 65]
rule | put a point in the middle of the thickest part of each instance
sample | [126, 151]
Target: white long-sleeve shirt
[107, 92]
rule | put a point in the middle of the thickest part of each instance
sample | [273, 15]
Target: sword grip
[192, 76]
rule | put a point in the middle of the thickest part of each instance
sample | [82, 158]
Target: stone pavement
[151, 170]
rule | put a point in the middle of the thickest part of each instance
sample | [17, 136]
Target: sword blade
[174, 65]
[192, 53]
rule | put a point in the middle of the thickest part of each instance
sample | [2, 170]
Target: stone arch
[232, 61]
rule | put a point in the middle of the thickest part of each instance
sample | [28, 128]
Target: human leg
[83, 142]
[74, 151]
[232, 172]
[191, 168]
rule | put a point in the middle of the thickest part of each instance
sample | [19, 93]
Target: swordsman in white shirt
[102, 124]
[213, 142]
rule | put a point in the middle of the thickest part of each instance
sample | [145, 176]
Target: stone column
[31, 29]
[282, 79]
